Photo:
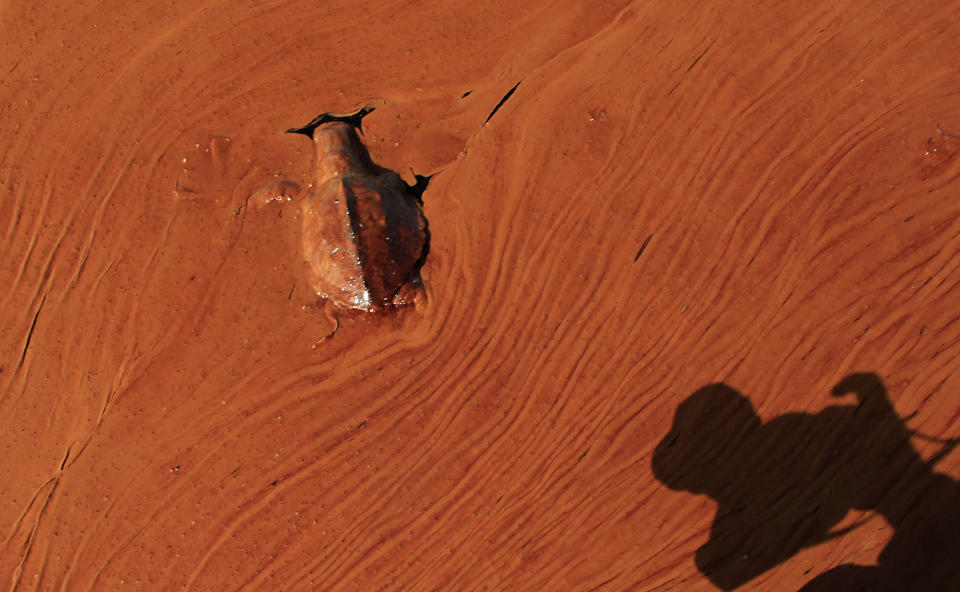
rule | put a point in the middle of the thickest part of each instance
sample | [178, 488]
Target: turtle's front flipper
[417, 189]
[355, 119]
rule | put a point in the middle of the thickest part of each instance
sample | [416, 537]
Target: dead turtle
[365, 237]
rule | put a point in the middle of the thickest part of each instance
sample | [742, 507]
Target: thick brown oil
[677, 195]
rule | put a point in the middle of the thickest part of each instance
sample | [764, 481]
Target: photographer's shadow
[786, 484]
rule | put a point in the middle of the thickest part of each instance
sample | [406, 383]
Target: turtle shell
[364, 233]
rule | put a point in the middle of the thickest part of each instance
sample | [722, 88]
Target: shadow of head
[705, 444]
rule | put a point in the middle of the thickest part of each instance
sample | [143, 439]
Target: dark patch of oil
[354, 119]
[643, 248]
[502, 101]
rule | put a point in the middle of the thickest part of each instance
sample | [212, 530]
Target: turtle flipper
[355, 119]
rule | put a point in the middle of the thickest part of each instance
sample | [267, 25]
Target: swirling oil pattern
[764, 195]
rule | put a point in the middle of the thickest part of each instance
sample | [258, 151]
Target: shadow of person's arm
[871, 393]
[744, 546]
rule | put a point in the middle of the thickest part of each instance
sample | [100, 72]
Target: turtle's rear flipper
[353, 119]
